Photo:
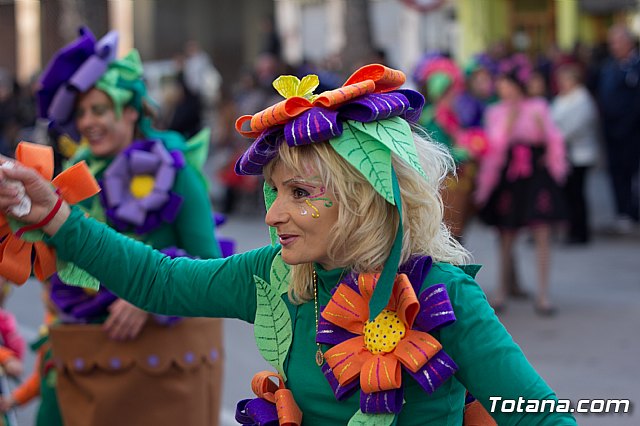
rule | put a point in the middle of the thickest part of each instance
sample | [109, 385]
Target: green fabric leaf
[269, 197]
[471, 270]
[272, 326]
[73, 275]
[368, 155]
[97, 210]
[395, 133]
[362, 419]
[29, 236]
[280, 274]
[197, 149]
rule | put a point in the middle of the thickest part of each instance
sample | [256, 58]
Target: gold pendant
[319, 358]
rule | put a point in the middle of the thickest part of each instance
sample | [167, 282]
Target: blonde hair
[367, 223]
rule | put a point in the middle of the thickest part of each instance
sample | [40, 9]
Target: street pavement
[587, 350]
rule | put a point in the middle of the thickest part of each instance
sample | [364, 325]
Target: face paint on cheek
[319, 197]
[315, 214]
[303, 211]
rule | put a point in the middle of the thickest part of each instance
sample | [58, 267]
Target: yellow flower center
[383, 333]
[141, 185]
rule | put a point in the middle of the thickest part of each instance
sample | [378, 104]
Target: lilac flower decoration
[137, 187]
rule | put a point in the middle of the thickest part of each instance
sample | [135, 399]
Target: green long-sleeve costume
[490, 363]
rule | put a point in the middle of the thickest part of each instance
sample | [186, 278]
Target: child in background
[12, 348]
[41, 382]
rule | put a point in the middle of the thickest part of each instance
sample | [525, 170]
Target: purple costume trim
[320, 124]
[256, 412]
[80, 306]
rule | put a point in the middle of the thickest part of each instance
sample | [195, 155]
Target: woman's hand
[43, 197]
[6, 403]
[125, 320]
[13, 367]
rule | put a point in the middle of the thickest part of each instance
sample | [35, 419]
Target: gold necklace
[319, 354]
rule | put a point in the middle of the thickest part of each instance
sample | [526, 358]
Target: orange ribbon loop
[289, 414]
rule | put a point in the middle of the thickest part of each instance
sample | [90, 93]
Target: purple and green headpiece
[365, 121]
[81, 65]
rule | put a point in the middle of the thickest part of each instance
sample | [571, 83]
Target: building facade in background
[233, 32]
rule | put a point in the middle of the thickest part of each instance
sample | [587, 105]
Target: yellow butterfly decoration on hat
[290, 86]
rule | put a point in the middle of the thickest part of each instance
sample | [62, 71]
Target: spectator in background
[8, 108]
[200, 75]
[575, 113]
[519, 179]
[186, 116]
[619, 98]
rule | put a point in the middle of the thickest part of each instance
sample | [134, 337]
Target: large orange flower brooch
[370, 354]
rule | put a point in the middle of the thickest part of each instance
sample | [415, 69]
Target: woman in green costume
[365, 305]
[117, 363]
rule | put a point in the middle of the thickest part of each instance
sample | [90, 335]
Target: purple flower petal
[416, 103]
[341, 392]
[314, 125]
[436, 310]
[389, 401]
[178, 159]
[331, 334]
[165, 177]
[435, 372]
[172, 208]
[143, 163]
[153, 201]
[375, 106]
[261, 151]
[161, 152]
[152, 222]
[114, 191]
[131, 212]
[256, 411]
[416, 269]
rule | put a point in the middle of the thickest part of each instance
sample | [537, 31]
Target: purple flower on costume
[81, 305]
[395, 340]
[137, 187]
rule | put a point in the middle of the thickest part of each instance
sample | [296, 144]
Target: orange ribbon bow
[372, 78]
[74, 184]
[289, 413]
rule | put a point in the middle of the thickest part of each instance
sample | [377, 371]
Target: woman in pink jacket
[519, 181]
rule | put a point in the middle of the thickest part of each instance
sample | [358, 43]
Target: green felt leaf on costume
[73, 275]
[395, 133]
[280, 274]
[197, 148]
[52, 378]
[368, 155]
[269, 197]
[363, 419]
[97, 210]
[29, 236]
[272, 325]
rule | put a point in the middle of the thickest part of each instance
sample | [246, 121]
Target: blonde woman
[383, 322]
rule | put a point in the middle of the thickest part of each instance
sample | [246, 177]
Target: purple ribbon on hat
[320, 124]
[74, 69]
